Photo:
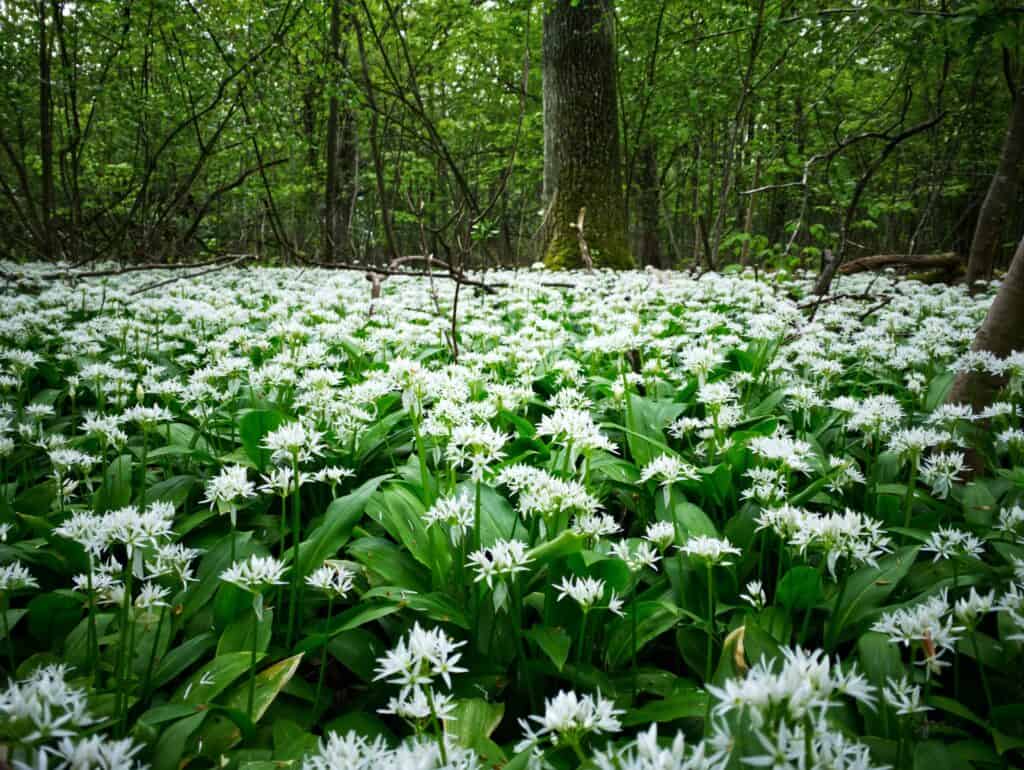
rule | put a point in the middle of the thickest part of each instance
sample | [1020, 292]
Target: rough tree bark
[1001, 333]
[45, 135]
[649, 201]
[582, 161]
[339, 190]
[998, 199]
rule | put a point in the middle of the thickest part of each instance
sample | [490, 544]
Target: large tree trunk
[1000, 196]
[1001, 334]
[582, 166]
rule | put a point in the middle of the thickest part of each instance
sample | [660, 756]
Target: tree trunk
[1000, 196]
[330, 234]
[45, 135]
[649, 199]
[1001, 333]
[582, 166]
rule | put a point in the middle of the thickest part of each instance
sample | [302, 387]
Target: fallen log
[947, 261]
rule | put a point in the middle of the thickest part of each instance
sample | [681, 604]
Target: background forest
[758, 131]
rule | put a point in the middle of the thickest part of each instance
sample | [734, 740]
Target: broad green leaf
[554, 641]
[474, 718]
[865, 591]
[341, 517]
[253, 426]
[685, 705]
[800, 588]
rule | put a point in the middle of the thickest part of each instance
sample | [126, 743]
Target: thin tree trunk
[649, 250]
[329, 238]
[1001, 193]
[45, 135]
[748, 221]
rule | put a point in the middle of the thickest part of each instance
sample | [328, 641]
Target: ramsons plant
[265, 519]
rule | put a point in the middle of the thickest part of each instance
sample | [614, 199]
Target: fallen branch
[214, 268]
[920, 261]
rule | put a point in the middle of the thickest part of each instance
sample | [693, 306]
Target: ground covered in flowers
[261, 519]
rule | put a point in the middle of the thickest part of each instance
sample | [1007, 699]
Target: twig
[214, 268]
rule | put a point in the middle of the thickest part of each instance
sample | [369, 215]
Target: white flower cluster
[414, 663]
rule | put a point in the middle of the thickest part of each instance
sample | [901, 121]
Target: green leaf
[652, 620]
[253, 426]
[554, 641]
[269, 684]
[174, 490]
[116, 489]
[12, 618]
[865, 591]
[341, 517]
[181, 657]
[214, 678]
[685, 705]
[474, 718]
[800, 588]
[644, 423]
[170, 748]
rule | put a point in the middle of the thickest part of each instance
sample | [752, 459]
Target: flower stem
[323, 657]
[711, 625]
[252, 668]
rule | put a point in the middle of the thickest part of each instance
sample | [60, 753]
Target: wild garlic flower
[970, 609]
[255, 573]
[661, 534]
[875, 415]
[645, 752]
[97, 751]
[568, 718]
[792, 454]
[44, 706]
[476, 446]
[294, 441]
[354, 752]
[803, 684]
[710, 550]
[228, 489]
[669, 469]
[173, 559]
[333, 578]
[904, 696]
[282, 481]
[849, 536]
[1011, 521]
[942, 470]
[928, 623]
[754, 595]
[541, 494]
[949, 543]
[419, 658]
[457, 513]
[587, 592]
[593, 526]
[16, 577]
[637, 556]
[767, 486]
[504, 559]
[152, 595]
[576, 428]
[910, 443]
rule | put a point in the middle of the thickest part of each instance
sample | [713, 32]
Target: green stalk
[437, 727]
[4, 606]
[711, 625]
[981, 670]
[323, 656]
[579, 641]
[122, 648]
[293, 604]
[908, 503]
[152, 653]
[252, 667]
[633, 641]
[93, 637]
